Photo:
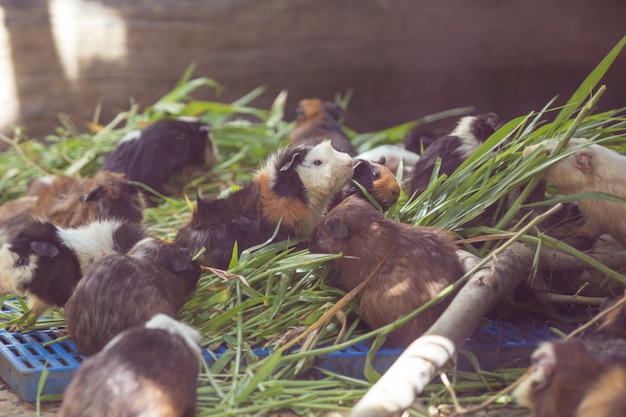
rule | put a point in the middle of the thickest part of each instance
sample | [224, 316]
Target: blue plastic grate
[24, 355]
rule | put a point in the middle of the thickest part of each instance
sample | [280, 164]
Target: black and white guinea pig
[148, 370]
[453, 149]
[45, 262]
[155, 154]
[592, 168]
[317, 121]
[120, 291]
[294, 187]
[71, 201]
[378, 180]
[423, 261]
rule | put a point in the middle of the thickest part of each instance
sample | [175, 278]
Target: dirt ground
[12, 406]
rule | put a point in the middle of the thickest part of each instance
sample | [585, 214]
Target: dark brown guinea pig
[453, 149]
[294, 188]
[376, 179]
[149, 370]
[423, 262]
[125, 290]
[317, 121]
[70, 201]
[155, 154]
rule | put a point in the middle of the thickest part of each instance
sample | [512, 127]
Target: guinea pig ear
[584, 161]
[382, 160]
[180, 260]
[296, 158]
[44, 249]
[92, 195]
[337, 227]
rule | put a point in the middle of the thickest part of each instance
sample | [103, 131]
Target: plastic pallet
[24, 356]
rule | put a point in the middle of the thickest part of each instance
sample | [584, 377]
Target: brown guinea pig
[423, 262]
[73, 201]
[317, 121]
[376, 179]
[149, 370]
[125, 290]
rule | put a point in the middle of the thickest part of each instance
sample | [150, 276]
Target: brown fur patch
[386, 189]
[294, 212]
[607, 398]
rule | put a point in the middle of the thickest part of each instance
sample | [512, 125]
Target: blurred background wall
[402, 59]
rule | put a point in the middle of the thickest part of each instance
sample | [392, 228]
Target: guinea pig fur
[295, 185]
[149, 370]
[13, 215]
[376, 179]
[125, 290]
[453, 149]
[592, 168]
[160, 151]
[45, 262]
[317, 121]
[72, 201]
[423, 262]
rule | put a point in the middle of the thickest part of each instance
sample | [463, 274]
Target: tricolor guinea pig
[592, 168]
[583, 377]
[45, 262]
[453, 149]
[294, 187]
[70, 201]
[124, 290]
[148, 370]
[423, 261]
[317, 121]
[377, 180]
[155, 154]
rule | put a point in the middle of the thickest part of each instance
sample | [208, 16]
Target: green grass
[275, 292]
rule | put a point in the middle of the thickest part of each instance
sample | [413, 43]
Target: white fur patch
[544, 357]
[325, 170]
[90, 242]
[189, 334]
[463, 130]
[130, 136]
[145, 249]
[12, 277]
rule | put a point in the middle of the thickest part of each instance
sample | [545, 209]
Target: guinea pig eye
[375, 175]
[21, 261]
[317, 162]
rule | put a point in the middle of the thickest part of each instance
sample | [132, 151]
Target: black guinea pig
[150, 370]
[423, 261]
[45, 262]
[155, 154]
[294, 188]
[453, 149]
[124, 290]
[376, 179]
[317, 121]
[70, 201]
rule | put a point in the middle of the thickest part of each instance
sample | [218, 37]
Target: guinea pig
[317, 121]
[453, 149]
[580, 377]
[72, 201]
[45, 262]
[376, 179]
[294, 187]
[120, 291]
[393, 154]
[155, 154]
[149, 370]
[423, 262]
[592, 168]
